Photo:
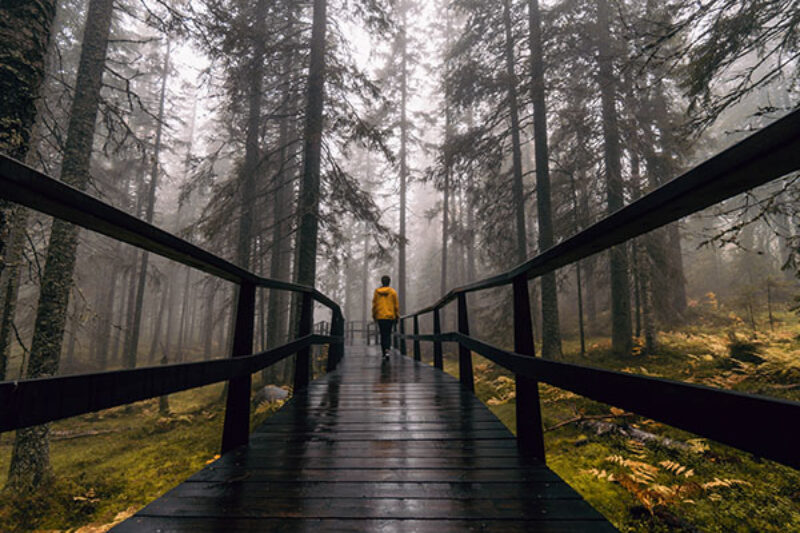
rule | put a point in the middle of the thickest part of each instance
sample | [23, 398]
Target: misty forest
[440, 142]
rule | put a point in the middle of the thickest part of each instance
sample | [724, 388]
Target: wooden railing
[760, 425]
[37, 401]
[367, 330]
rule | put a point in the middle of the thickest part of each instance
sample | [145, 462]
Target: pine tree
[621, 326]
[30, 466]
[551, 332]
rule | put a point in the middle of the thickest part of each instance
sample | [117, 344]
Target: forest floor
[646, 476]
[109, 464]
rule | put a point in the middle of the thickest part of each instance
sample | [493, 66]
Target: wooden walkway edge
[378, 445]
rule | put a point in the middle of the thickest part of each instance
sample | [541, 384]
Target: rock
[270, 393]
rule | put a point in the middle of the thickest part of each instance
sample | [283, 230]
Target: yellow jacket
[385, 305]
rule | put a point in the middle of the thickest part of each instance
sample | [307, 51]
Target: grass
[655, 486]
[107, 465]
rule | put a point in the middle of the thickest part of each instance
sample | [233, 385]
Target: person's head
[385, 281]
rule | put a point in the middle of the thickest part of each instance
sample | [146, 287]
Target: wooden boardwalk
[378, 445]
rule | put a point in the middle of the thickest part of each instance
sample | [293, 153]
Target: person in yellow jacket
[385, 311]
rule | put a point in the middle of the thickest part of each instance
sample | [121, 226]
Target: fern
[727, 483]
[647, 483]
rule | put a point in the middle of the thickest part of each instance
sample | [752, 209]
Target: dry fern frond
[698, 445]
[599, 474]
[676, 468]
[727, 483]
[636, 447]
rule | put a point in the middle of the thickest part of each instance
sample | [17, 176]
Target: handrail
[77, 394]
[31, 402]
[760, 426]
[26, 186]
[768, 154]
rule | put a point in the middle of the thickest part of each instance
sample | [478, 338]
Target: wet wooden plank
[246, 505]
[380, 445]
[330, 489]
[300, 525]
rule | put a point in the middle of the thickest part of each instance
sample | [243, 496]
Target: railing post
[302, 362]
[236, 429]
[417, 354]
[437, 345]
[464, 354]
[336, 349]
[403, 346]
[530, 439]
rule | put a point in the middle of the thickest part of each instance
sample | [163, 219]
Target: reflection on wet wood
[379, 445]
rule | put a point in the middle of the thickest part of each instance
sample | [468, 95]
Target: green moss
[118, 459]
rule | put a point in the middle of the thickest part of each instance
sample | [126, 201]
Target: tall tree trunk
[247, 180]
[590, 281]
[25, 27]
[621, 327]
[208, 326]
[445, 221]
[448, 171]
[678, 301]
[121, 313]
[73, 319]
[106, 315]
[157, 326]
[132, 344]
[516, 146]
[187, 163]
[9, 283]
[183, 321]
[401, 267]
[312, 154]
[281, 259]
[576, 220]
[551, 330]
[648, 324]
[365, 313]
[30, 460]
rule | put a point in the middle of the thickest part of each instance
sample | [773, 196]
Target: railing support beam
[464, 354]
[236, 429]
[336, 350]
[302, 362]
[417, 351]
[530, 439]
[438, 361]
[403, 346]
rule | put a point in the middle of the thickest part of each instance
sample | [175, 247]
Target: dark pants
[386, 334]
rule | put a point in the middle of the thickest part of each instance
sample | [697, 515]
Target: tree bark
[9, 283]
[516, 146]
[281, 259]
[578, 281]
[25, 27]
[157, 326]
[208, 325]
[551, 330]
[247, 180]
[132, 345]
[312, 154]
[401, 268]
[30, 461]
[621, 327]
